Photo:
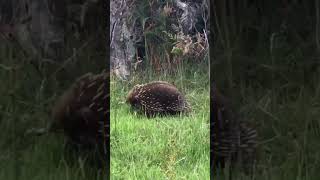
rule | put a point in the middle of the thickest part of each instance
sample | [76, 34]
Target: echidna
[233, 140]
[81, 112]
[157, 98]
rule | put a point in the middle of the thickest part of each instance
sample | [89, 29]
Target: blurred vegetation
[269, 42]
[28, 91]
[164, 44]
[266, 59]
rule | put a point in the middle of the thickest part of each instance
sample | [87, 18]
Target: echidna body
[81, 111]
[157, 98]
[233, 141]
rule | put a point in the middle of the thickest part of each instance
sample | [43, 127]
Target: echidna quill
[233, 141]
[157, 98]
[81, 112]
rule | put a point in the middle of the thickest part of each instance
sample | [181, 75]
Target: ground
[172, 147]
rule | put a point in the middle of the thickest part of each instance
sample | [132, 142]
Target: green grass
[283, 104]
[25, 102]
[282, 101]
[171, 147]
[288, 134]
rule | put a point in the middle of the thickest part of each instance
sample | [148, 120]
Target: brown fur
[157, 97]
[81, 111]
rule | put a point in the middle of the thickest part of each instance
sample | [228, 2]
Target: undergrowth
[170, 147]
[28, 92]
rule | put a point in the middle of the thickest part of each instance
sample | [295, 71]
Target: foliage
[29, 89]
[171, 147]
[265, 59]
[161, 39]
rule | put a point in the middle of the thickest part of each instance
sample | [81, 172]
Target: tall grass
[278, 91]
[281, 97]
[268, 64]
[163, 147]
[27, 95]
